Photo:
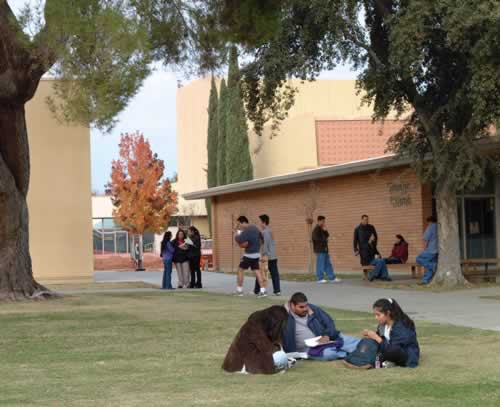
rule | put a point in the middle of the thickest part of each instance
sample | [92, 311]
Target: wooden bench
[470, 268]
[414, 268]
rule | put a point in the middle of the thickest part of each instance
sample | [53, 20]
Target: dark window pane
[480, 227]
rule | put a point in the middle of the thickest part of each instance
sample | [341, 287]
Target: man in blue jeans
[429, 257]
[324, 265]
[306, 321]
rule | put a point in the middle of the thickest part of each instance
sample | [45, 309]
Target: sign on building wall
[400, 193]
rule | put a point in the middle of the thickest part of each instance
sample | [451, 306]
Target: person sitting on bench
[399, 255]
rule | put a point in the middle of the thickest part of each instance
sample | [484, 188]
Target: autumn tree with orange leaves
[143, 199]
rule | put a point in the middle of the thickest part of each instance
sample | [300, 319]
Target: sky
[151, 111]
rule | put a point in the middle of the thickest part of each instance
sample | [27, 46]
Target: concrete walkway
[462, 307]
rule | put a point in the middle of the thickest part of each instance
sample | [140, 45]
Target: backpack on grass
[363, 356]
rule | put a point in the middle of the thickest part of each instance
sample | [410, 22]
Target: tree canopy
[143, 200]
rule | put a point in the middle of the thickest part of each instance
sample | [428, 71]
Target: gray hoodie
[269, 247]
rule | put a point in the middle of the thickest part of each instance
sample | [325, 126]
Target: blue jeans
[324, 266]
[429, 262]
[167, 275]
[380, 271]
[350, 344]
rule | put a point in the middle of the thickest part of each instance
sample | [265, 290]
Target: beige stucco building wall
[59, 195]
[293, 149]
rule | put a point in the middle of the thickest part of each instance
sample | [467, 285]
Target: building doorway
[476, 222]
[479, 237]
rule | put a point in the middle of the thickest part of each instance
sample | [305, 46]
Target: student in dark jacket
[257, 341]
[194, 255]
[396, 335]
[181, 259]
[399, 255]
[365, 240]
[324, 266]
[306, 321]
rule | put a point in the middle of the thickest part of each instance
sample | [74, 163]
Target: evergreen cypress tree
[221, 145]
[238, 161]
[212, 145]
[212, 136]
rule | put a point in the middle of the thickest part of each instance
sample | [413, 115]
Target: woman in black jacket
[181, 259]
[194, 255]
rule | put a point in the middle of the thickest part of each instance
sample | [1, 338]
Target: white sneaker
[238, 293]
[261, 295]
[322, 281]
[337, 280]
[388, 365]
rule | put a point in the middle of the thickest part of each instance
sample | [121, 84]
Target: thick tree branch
[46, 42]
[11, 35]
[368, 49]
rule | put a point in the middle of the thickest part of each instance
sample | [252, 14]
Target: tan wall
[293, 149]
[59, 198]
[201, 223]
[192, 122]
[342, 200]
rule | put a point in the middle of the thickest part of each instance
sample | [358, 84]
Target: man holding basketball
[249, 238]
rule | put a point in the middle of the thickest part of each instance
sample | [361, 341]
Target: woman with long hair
[396, 335]
[167, 254]
[180, 259]
[399, 255]
[194, 255]
[257, 347]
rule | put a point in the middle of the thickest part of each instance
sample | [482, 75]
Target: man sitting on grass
[306, 321]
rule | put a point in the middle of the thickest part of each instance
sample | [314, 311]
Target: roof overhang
[353, 167]
[487, 146]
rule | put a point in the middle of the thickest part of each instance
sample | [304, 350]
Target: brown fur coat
[256, 341]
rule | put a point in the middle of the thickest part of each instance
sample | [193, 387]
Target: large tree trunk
[16, 276]
[449, 272]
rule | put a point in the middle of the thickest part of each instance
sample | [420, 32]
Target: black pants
[194, 265]
[275, 277]
[395, 355]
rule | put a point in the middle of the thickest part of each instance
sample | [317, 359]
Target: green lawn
[166, 349]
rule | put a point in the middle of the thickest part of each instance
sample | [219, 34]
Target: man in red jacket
[399, 255]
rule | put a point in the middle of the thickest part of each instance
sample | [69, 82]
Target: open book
[188, 241]
[313, 342]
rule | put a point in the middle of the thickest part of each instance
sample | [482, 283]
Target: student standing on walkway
[269, 260]
[181, 260]
[194, 255]
[324, 265]
[167, 255]
[429, 257]
[365, 241]
[249, 237]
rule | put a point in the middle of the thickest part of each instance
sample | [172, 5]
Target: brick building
[384, 188]
[327, 159]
